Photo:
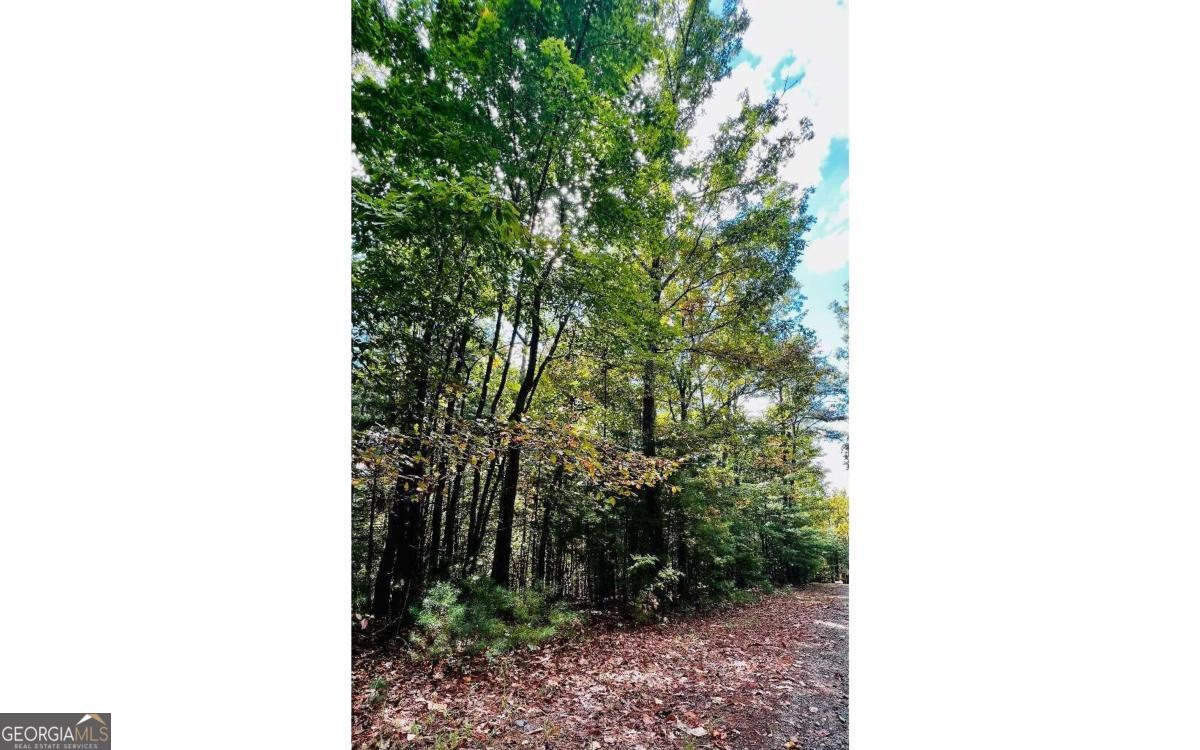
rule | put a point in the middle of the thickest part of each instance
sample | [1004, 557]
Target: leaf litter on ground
[715, 680]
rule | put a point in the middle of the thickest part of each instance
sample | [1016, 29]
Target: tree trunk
[487, 371]
[439, 567]
[399, 517]
[652, 540]
[539, 567]
[451, 536]
[381, 599]
[371, 530]
[434, 563]
[408, 560]
[502, 559]
[475, 538]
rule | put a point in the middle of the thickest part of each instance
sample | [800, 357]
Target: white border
[174, 302]
[1023, 375]
[175, 406]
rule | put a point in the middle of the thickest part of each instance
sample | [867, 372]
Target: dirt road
[818, 715]
[772, 674]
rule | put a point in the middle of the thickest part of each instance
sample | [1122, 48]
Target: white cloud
[840, 215]
[836, 474]
[756, 406]
[825, 254]
[815, 34]
[724, 103]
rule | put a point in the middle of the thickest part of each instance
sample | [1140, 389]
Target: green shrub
[741, 596]
[658, 590]
[485, 618]
[440, 622]
[379, 688]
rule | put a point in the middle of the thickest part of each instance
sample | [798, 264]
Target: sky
[803, 43]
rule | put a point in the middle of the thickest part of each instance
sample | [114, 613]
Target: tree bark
[502, 559]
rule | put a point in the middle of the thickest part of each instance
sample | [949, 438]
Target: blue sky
[804, 42]
[828, 203]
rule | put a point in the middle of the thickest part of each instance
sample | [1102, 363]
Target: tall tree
[563, 307]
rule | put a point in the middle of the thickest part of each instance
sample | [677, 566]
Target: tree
[562, 306]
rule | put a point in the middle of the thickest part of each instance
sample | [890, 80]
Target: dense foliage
[563, 309]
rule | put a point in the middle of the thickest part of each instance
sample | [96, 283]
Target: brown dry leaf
[615, 701]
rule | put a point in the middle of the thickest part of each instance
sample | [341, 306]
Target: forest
[581, 374]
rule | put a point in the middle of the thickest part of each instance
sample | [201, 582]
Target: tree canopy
[565, 311]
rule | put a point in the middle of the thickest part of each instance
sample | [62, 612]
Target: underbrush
[480, 617]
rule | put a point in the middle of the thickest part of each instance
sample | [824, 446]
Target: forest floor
[772, 674]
